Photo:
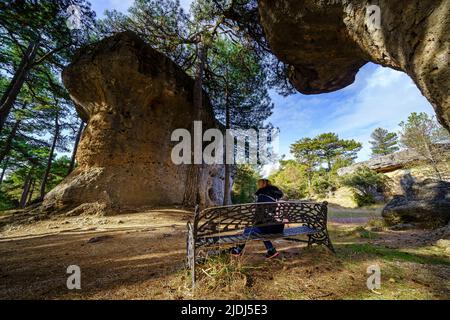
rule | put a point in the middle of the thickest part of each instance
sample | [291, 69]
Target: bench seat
[236, 238]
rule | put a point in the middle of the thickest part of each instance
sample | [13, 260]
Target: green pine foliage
[383, 142]
[244, 187]
[38, 121]
[320, 158]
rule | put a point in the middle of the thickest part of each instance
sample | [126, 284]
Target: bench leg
[328, 244]
[310, 241]
[321, 238]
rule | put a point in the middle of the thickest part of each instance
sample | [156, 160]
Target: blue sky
[380, 97]
[122, 5]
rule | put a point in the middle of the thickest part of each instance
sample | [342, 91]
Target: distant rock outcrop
[132, 99]
[326, 42]
[388, 163]
[426, 204]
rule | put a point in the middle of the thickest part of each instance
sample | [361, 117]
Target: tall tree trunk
[30, 195]
[4, 167]
[192, 194]
[50, 159]
[75, 148]
[227, 186]
[9, 140]
[309, 181]
[26, 188]
[12, 91]
[227, 180]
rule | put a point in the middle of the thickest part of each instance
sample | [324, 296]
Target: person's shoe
[272, 254]
[236, 252]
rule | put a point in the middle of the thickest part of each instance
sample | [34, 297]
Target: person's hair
[265, 181]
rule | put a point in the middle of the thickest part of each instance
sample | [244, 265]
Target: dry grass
[141, 256]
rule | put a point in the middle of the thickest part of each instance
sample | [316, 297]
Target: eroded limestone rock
[388, 163]
[425, 203]
[327, 41]
[132, 99]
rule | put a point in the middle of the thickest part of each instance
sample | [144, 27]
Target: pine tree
[236, 84]
[427, 137]
[320, 155]
[383, 142]
[42, 122]
[34, 34]
[330, 147]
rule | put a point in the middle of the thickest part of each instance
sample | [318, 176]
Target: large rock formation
[388, 163]
[326, 42]
[425, 204]
[132, 99]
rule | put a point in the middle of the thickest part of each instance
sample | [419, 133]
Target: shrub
[292, 179]
[321, 186]
[365, 184]
[363, 200]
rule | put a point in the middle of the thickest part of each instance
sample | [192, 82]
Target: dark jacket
[269, 194]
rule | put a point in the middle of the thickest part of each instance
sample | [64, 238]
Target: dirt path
[137, 250]
[141, 256]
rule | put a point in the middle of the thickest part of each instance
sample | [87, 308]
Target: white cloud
[388, 98]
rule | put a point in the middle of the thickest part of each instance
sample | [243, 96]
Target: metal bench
[223, 226]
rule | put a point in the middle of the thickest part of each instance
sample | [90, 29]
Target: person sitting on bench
[266, 193]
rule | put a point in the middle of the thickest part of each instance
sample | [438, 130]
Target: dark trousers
[271, 229]
[268, 244]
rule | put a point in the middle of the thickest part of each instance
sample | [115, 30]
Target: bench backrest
[214, 220]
